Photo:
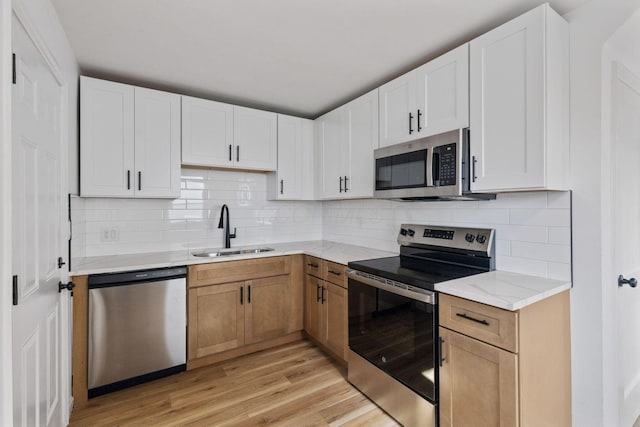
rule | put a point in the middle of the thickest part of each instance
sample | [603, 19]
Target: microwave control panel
[444, 165]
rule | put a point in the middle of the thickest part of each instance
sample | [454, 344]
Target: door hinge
[15, 290]
[15, 71]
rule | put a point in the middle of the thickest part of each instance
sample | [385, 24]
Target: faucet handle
[233, 235]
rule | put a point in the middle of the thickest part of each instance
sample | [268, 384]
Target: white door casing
[39, 173]
[625, 215]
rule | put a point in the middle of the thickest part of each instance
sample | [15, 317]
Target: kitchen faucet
[227, 236]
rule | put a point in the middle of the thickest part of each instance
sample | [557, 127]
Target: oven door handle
[396, 288]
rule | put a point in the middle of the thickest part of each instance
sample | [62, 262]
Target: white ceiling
[301, 57]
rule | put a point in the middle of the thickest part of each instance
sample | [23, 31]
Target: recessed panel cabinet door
[157, 143]
[312, 306]
[362, 139]
[216, 319]
[268, 308]
[255, 134]
[331, 134]
[107, 135]
[207, 133]
[507, 95]
[397, 116]
[478, 383]
[443, 93]
[335, 319]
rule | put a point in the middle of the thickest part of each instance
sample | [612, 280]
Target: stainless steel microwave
[431, 168]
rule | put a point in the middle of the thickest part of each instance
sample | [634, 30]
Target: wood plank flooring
[292, 385]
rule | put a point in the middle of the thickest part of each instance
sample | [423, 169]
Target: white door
[157, 143]
[398, 115]
[443, 93]
[207, 132]
[295, 158]
[107, 135]
[255, 136]
[362, 139]
[37, 238]
[625, 157]
[332, 134]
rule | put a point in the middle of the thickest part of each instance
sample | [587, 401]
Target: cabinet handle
[323, 298]
[242, 295]
[229, 152]
[139, 180]
[282, 186]
[341, 184]
[318, 293]
[410, 123]
[237, 153]
[312, 264]
[249, 294]
[337, 273]
[345, 183]
[440, 347]
[473, 319]
[473, 168]
[419, 115]
[129, 180]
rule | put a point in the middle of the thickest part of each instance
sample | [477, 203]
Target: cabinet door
[107, 138]
[268, 308]
[313, 306]
[255, 136]
[157, 143]
[331, 131]
[216, 319]
[362, 139]
[334, 319]
[478, 383]
[507, 105]
[207, 132]
[443, 93]
[397, 110]
[294, 179]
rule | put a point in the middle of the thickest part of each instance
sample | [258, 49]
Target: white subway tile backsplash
[532, 229]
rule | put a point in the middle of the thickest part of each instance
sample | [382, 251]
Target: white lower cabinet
[519, 104]
[345, 139]
[129, 140]
[294, 179]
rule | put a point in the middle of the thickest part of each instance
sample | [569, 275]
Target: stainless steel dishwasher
[137, 327]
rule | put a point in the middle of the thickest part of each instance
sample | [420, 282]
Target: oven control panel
[471, 239]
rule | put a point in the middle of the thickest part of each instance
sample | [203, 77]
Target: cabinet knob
[631, 282]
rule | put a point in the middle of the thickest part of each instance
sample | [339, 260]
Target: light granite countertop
[502, 289]
[332, 251]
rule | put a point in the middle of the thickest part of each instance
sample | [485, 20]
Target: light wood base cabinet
[227, 316]
[326, 306]
[504, 368]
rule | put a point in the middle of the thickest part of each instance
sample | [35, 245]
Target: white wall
[590, 25]
[533, 233]
[191, 221]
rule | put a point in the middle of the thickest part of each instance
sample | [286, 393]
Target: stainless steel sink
[211, 253]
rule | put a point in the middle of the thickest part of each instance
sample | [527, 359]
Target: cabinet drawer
[313, 265]
[335, 273]
[489, 324]
[236, 271]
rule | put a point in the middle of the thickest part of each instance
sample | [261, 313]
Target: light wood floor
[292, 385]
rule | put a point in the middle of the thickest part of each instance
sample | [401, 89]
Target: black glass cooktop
[412, 271]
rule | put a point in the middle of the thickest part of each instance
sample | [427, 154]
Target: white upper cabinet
[207, 133]
[255, 137]
[294, 179]
[130, 141]
[519, 104]
[346, 138]
[215, 134]
[429, 100]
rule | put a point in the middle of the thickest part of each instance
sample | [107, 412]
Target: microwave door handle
[429, 168]
[435, 169]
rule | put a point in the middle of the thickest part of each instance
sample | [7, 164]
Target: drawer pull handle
[337, 273]
[314, 265]
[473, 319]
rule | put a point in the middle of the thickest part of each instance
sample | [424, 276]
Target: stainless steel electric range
[393, 316]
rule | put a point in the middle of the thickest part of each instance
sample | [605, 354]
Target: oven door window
[396, 334]
[406, 170]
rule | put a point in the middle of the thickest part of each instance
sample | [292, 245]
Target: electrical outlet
[109, 234]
